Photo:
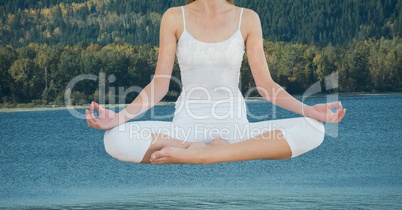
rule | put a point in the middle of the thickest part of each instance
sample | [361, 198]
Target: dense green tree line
[39, 73]
[44, 44]
[137, 22]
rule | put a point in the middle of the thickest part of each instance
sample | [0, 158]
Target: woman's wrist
[307, 111]
[124, 115]
[121, 117]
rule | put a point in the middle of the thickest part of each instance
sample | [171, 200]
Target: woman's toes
[164, 152]
[159, 161]
[154, 157]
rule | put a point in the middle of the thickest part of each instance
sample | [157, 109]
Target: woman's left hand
[323, 112]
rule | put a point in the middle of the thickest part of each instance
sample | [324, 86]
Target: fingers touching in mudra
[105, 120]
[323, 112]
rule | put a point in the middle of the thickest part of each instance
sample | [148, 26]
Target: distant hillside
[44, 44]
[71, 22]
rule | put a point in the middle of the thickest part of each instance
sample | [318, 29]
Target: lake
[50, 159]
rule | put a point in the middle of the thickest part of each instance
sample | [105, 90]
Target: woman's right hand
[107, 119]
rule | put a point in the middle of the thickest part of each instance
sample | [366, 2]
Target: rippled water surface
[50, 159]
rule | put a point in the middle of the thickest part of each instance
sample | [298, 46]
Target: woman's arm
[269, 89]
[159, 86]
[154, 91]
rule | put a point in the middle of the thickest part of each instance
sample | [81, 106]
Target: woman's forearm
[148, 97]
[280, 97]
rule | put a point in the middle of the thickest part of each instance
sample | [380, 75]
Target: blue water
[50, 159]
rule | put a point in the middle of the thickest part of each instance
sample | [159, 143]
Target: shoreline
[164, 103]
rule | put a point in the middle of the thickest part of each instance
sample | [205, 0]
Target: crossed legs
[290, 138]
[270, 145]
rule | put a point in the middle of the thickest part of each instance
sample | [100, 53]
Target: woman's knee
[113, 144]
[126, 146]
[315, 130]
[307, 135]
[319, 133]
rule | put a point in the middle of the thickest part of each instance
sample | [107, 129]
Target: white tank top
[210, 72]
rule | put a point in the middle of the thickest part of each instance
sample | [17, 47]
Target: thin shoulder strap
[184, 17]
[241, 15]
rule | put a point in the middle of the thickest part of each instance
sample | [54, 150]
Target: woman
[210, 122]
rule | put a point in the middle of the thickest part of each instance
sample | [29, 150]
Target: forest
[46, 43]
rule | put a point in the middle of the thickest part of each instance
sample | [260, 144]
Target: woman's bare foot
[194, 154]
[173, 155]
[160, 141]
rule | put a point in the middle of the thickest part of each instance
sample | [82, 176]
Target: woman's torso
[210, 75]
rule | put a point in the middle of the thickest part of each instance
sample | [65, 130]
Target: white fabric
[210, 104]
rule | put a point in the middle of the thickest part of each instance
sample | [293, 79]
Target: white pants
[129, 142]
